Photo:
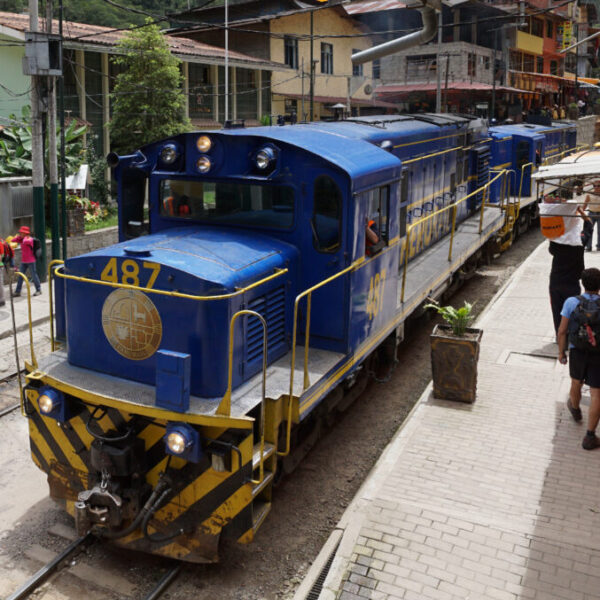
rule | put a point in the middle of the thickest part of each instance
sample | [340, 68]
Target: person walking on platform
[594, 216]
[567, 257]
[27, 260]
[580, 329]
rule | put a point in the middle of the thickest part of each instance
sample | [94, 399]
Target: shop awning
[341, 100]
[453, 86]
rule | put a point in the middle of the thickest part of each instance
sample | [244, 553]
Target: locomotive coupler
[98, 506]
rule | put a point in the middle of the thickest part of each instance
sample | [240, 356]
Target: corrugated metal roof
[452, 85]
[106, 36]
[340, 99]
[357, 8]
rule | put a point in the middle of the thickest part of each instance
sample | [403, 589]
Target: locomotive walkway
[494, 500]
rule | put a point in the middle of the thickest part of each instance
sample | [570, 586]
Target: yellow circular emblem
[131, 324]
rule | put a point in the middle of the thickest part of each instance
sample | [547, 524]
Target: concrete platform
[491, 500]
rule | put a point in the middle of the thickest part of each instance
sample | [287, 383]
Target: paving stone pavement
[495, 499]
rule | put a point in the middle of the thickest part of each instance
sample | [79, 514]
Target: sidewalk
[40, 313]
[491, 500]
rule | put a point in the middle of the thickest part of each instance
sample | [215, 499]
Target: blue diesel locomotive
[261, 276]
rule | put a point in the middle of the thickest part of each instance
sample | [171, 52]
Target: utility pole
[438, 67]
[312, 69]
[63, 187]
[37, 145]
[52, 159]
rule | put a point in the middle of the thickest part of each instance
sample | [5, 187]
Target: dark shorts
[585, 366]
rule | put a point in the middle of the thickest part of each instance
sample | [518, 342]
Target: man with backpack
[30, 251]
[580, 328]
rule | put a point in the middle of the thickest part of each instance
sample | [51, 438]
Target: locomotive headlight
[52, 403]
[45, 403]
[183, 440]
[169, 154]
[265, 158]
[203, 164]
[176, 442]
[203, 143]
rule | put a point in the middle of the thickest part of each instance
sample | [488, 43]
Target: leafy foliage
[148, 101]
[15, 147]
[458, 319]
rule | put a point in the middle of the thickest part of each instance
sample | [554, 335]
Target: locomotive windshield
[235, 203]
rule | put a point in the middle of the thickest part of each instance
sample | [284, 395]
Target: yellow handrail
[225, 405]
[452, 206]
[308, 292]
[33, 358]
[51, 264]
[523, 167]
[278, 272]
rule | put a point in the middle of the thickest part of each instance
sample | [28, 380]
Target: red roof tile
[106, 36]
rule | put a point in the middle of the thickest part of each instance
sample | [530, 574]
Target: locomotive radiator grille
[272, 307]
[202, 502]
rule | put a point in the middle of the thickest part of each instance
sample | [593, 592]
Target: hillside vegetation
[101, 12]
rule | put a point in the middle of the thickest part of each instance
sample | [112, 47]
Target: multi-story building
[89, 76]
[316, 44]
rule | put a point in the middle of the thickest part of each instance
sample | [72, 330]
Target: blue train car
[260, 275]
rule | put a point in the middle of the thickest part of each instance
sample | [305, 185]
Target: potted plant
[454, 354]
[75, 215]
[573, 111]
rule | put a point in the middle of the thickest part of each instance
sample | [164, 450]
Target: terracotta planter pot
[454, 363]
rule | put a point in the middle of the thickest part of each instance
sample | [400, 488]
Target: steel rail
[164, 582]
[47, 570]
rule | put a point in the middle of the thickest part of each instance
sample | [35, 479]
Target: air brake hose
[147, 508]
[158, 539]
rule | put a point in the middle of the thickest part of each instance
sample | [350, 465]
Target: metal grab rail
[308, 292]
[52, 264]
[224, 407]
[564, 153]
[57, 273]
[452, 207]
[523, 167]
[33, 358]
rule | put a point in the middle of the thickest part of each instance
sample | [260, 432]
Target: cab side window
[378, 206]
[326, 220]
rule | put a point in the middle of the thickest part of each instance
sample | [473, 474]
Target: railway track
[61, 563]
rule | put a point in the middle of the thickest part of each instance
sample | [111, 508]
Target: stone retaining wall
[586, 133]
[76, 245]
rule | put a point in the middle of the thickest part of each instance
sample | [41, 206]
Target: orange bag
[552, 226]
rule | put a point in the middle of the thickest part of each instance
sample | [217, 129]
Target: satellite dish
[368, 89]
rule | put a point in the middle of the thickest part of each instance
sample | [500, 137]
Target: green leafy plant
[15, 146]
[458, 319]
[148, 101]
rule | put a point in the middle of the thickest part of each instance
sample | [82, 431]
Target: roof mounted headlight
[265, 158]
[203, 164]
[203, 143]
[169, 154]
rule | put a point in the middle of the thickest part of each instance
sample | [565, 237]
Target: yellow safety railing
[126, 286]
[523, 167]
[437, 213]
[306, 293]
[51, 265]
[225, 405]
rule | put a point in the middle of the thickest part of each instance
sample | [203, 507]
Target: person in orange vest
[371, 236]
[169, 206]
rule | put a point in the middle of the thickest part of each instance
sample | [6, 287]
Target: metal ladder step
[259, 514]
[268, 451]
[257, 488]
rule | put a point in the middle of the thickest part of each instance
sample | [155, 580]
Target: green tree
[148, 100]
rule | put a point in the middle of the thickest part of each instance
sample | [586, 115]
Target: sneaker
[37, 293]
[590, 442]
[575, 412]
[16, 294]
[2, 302]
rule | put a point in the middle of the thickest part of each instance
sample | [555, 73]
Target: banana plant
[16, 143]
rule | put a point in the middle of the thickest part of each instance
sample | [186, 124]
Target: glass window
[422, 66]
[290, 51]
[327, 215]
[537, 27]
[357, 70]
[377, 68]
[201, 90]
[327, 59]
[540, 64]
[247, 94]
[471, 65]
[553, 67]
[549, 29]
[378, 202]
[528, 63]
[227, 203]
